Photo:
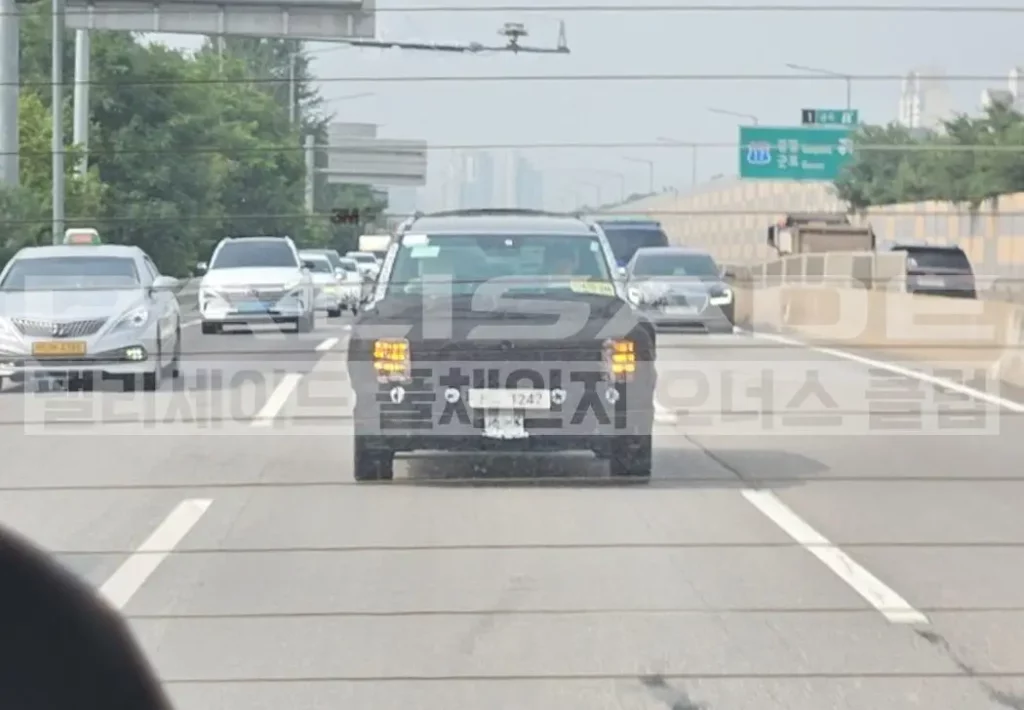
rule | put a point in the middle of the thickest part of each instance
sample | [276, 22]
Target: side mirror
[165, 283]
[722, 272]
[202, 267]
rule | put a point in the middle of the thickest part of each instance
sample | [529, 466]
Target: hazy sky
[630, 42]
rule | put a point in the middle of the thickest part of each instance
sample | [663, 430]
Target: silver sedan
[78, 312]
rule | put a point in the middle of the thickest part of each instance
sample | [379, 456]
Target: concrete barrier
[961, 334]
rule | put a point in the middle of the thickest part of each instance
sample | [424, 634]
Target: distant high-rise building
[925, 101]
[529, 185]
[476, 185]
[1012, 95]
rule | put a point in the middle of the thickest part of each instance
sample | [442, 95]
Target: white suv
[256, 280]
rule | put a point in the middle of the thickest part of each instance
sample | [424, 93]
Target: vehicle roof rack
[494, 211]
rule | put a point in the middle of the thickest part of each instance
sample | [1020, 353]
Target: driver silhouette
[62, 647]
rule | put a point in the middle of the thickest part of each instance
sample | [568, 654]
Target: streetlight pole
[693, 156]
[828, 72]
[725, 112]
[56, 106]
[650, 170]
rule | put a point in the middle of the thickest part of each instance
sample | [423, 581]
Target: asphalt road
[776, 561]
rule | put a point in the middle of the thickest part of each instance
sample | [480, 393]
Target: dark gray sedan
[680, 289]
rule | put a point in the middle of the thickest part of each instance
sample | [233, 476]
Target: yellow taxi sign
[82, 236]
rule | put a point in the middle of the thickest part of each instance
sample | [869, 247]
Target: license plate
[504, 425]
[679, 310]
[931, 281]
[509, 399]
[58, 348]
[252, 307]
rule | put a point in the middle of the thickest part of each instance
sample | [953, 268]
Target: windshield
[472, 260]
[254, 254]
[626, 240]
[669, 264]
[332, 258]
[318, 264]
[70, 273]
[363, 258]
[936, 259]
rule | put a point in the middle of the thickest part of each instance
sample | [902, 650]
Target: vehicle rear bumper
[275, 315]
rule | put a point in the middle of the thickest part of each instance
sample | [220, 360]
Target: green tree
[969, 160]
[184, 148]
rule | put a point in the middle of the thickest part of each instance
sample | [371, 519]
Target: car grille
[267, 294]
[681, 300]
[58, 329]
[507, 351]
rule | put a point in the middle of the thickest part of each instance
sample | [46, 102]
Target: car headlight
[721, 297]
[135, 318]
[7, 330]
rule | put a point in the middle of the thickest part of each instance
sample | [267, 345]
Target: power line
[866, 148]
[533, 78]
[264, 218]
[646, 9]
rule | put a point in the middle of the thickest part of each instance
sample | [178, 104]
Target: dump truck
[818, 232]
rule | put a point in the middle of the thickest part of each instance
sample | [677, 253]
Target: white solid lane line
[891, 605]
[134, 571]
[326, 345]
[277, 399]
[941, 382]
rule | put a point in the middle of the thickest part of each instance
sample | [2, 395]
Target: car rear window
[937, 259]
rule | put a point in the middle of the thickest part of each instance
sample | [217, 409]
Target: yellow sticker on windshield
[596, 288]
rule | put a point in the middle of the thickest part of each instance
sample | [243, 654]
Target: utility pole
[80, 105]
[57, 104]
[9, 71]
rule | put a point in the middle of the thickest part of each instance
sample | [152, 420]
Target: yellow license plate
[58, 348]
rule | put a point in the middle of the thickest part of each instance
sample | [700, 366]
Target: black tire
[632, 457]
[175, 366]
[371, 464]
[211, 328]
[334, 312]
[306, 324]
[149, 381]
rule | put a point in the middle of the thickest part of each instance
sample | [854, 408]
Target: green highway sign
[793, 153]
[829, 117]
